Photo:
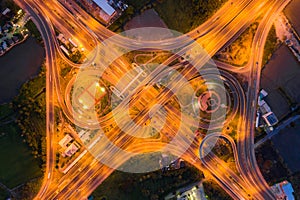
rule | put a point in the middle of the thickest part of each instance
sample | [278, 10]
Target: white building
[105, 7]
[63, 142]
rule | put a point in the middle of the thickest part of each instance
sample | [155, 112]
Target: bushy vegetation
[23, 142]
[214, 192]
[33, 30]
[31, 108]
[270, 46]
[153, 185]
[9, 4]
[185, 15]
[238, 52]
[271, 163]
[179, 15]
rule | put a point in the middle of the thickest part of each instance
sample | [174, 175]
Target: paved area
[280, 78]
[293, 14]
[149, 18]
[287, 142]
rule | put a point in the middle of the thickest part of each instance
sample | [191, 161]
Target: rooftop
[105, 6]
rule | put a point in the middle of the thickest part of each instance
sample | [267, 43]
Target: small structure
[263, 93]
[257, 121]
[4, 45]
[191, 192]
[65, 141]
[64, 50]
[283, 191]
[15, 39]
[61, 38]
[10, 42]
[270, 118]
[105, 7]
[264, 107]
[73, 43]
[71, 149]
[106, 11]
[7, 10]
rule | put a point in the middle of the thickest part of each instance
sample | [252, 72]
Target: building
[263, 93]
[73, 43]
[7, 10]
[270, 118]
[64, 50]
[71, 149]
[65, 141]
[10, 42]
[105, 7]
[105, 11]
[4, 45]
[283, 191]
[191, 192]
[264, 107]
[61, 38]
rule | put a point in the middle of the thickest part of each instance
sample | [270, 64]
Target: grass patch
[17, 163]
[270, 46]
[185, 15]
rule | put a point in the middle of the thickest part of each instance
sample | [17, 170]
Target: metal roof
[105, 6]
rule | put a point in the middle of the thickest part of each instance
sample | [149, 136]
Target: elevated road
[213, 39]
